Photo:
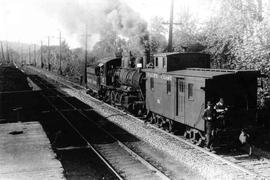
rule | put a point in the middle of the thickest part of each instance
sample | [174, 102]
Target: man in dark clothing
[221, 110]
[208, 116]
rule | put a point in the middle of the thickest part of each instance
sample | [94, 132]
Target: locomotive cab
[100, 76]
[105, 70]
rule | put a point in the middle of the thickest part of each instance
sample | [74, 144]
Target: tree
[186, 32]
[158, 41]
[238, 36]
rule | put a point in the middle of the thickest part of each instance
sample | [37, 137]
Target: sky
[32, 21]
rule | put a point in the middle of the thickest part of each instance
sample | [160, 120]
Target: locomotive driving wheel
[112, 98]
[117, 98]
[107, 97]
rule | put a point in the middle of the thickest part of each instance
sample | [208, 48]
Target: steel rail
[122, 113]
[131, 152]
[88, 143]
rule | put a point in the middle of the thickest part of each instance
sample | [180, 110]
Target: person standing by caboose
[221, 110]
[209, 117]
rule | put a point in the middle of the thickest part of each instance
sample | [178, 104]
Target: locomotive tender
[175, 91]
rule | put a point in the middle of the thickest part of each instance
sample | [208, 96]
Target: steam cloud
[99, 15]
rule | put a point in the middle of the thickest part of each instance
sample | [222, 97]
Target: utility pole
[2, 50]
[29, 54]
[41, 58]
[21, 53]
[49, 63]
[8, 58]
[60, 58]
[35, 55]
[171, 23]
[171, 28]
[85, 61]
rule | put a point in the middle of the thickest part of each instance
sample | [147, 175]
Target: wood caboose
[180, 84]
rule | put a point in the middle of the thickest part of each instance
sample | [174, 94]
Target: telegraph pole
[85, 61]
[35, 55]
[171, 28]
[171, 23]
[60, 58]
[49, 62]
[29, 54]
[8, 58]
[21, 53]
[2, 50]
[41, 54]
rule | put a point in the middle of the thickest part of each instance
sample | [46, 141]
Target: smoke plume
[98, 16]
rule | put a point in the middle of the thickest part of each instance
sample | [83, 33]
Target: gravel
[209, 168]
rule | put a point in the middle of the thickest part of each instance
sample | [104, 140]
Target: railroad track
[121, 160]
[246, 167]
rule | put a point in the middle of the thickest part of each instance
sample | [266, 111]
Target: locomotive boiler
[130, 77]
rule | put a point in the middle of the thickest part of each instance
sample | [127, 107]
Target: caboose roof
[173, 53]
[211, 73]
[166, 54]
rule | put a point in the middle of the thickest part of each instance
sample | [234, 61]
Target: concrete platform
[25, 153]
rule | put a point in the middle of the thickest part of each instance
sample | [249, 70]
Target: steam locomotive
[173, 91]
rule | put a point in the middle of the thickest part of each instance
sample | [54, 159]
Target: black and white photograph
[134, 90]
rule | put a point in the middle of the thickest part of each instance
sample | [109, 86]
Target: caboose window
[181, 86]
[164, 62]
[156, 62]
[190, 91]
[168, 87]
[151, 83]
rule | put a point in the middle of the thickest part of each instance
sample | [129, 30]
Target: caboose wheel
[170, 125]
[152, 119]
[159, 122]
[200, 142]
[187, 134]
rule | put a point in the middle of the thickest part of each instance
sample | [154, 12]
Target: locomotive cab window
[190, 91]
[152, 83]
[169, 87]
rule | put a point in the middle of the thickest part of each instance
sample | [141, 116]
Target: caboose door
[180, 100]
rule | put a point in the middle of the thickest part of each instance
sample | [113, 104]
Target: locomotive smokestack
[146, 57]
[146, 51]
